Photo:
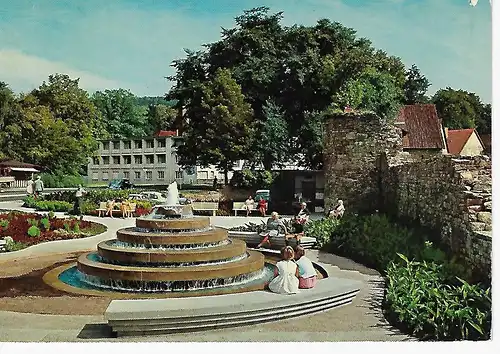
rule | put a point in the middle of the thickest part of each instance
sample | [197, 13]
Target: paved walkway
[360, 321]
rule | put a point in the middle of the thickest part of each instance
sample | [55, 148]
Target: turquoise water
[73, 277]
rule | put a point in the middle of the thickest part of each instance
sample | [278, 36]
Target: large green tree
[300, 68]
[161, 117]
[415, 87]
[459, 109]
[122, 117]
[56, 125]
[219, 128]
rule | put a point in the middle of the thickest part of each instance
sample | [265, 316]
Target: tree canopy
[460, 109]
[302, 69]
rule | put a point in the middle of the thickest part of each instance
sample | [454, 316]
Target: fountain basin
[254, 262]
[179, 238]
[188, 223]
[108, 250]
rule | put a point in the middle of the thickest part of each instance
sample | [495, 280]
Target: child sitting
[286, 281]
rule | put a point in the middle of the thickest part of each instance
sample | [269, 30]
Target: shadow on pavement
[96, 331]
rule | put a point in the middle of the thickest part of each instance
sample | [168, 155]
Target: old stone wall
[449, 196]
[353, 146]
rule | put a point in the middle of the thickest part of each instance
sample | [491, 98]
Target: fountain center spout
[173, 194]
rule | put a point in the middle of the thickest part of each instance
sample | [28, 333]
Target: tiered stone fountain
[170, 250]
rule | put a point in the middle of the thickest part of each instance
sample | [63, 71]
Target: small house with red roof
[422, 130]
[464, 142]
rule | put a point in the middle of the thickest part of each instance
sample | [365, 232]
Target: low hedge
[47, 205]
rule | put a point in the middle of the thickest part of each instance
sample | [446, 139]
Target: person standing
[38, 186]
[78, 196]
[29, 187]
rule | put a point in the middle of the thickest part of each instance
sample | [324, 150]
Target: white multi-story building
[150, 160]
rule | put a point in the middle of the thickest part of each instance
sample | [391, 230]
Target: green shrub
[45, 223]
[51, 215]
[12, 246]
[76, 228]
[33, 231]
[419, 299]
[4, 224]
[29, 202]
[67, 226]
[321, 229]
[57, 180]
[373, 240]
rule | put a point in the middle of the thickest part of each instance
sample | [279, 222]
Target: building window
[203, 175]
[161, 158]
[105, 160]
[149, 175]
[127, 159]
[105, 175]
[137, 174]
[150, 159]
[138, 159]
[95, 160]
[150, 144]
[105, 145]
[126, 174]
[161, 174]
[116, 145]
[138, 144]
[115, 174]
[178, 174]
[176, 158]
[212, 174]
[162, 143]
[116, 160]
[127, 145]
[95, 176]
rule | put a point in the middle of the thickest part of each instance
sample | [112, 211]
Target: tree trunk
[225, 176]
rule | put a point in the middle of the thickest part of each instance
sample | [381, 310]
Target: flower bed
[26, 229]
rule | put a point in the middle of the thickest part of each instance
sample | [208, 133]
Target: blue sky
[131, 43]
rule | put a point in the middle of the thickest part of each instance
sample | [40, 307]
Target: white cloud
[24, 72]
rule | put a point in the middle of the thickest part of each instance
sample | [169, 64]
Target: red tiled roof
[457, 139]
[166, 133]
[422, 125]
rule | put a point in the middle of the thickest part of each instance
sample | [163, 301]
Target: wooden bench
[206, 206]
[240, 206]
[116, 209]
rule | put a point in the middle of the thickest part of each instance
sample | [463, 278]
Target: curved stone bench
[163, 316]
[252, 239]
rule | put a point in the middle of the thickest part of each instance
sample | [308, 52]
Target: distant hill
[149, 100]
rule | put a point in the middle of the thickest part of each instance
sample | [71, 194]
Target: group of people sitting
[250, 205]
[126, 207]
[295, 271]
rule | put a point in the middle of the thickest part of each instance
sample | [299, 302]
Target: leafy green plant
[322, 230]
[11, 245]
[33, 231]
[51, 215]
[76, 228]
[4, 224]
[67, 226]
[45, 223]
[419, 300]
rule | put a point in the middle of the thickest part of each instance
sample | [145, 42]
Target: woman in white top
[307, 273]
[338, 211]
[286, 281]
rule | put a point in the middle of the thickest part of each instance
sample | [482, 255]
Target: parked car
[154, 197]
[120, 184]
[136, 196]
[263, 193]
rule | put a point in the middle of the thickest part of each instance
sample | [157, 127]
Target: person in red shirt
[262, 206]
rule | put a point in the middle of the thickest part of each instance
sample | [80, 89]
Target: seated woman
[307, 273]
[110, 205]
[274, 229]
[262, 204]
[125, 207]
[249, 205]
[301, 218]
[338, 210]
[285, 281]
